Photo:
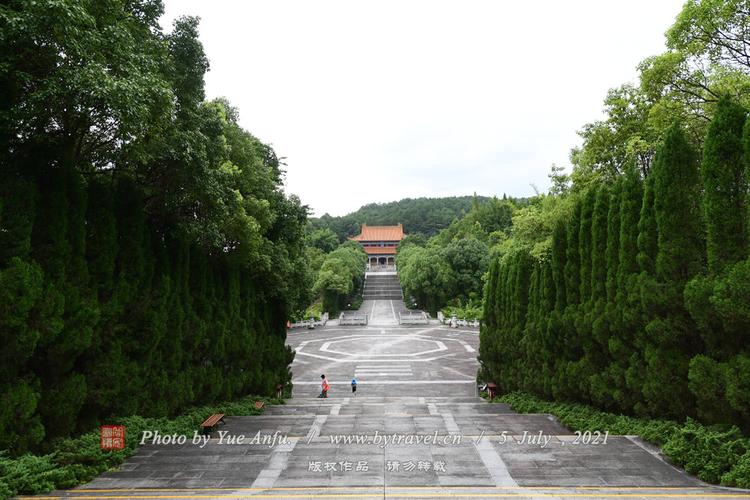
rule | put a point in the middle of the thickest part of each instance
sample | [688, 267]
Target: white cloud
[377, 101]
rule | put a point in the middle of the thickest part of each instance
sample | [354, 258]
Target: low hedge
[78, 460]
[715, 454]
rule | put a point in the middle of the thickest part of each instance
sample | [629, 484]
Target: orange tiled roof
[380, 233]
[380, 250]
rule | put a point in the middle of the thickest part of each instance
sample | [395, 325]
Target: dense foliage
[714, 454]
[425, 216]
[148, 255]
[450, 266]
[340, 277]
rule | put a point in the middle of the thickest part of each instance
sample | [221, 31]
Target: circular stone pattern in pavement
[386, 345]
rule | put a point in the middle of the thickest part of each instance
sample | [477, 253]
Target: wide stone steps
[383, 400]
[378, 407]
[386, 287]
[382, 296]
[375, 409]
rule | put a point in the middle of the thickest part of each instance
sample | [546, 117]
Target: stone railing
[456, 322]
[311, 323]
[380, 267]
[353, 318]
[413, 318]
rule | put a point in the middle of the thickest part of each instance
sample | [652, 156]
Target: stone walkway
[417, 390]
[382, 312]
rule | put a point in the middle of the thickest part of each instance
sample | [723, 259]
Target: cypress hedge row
[149, 258]
[642, 304]
[102, 315]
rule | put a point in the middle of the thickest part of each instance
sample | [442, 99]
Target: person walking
[354, 386]
[324, 387]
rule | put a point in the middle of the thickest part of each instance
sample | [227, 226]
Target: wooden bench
[211, 422]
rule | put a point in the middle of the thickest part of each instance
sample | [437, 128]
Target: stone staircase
[477, 445]
[379, 406]
[382, 287]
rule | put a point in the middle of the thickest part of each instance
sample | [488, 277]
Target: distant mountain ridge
[418, 215]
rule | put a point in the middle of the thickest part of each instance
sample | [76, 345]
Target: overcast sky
[381, 100]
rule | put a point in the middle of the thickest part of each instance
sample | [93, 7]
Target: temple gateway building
[379, 243]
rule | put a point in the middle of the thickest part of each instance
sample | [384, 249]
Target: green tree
[323, 239]
[425, 276]
[468, 261]
[671, 337]
[340, 277]
[676, 209]
[572, 258]
[647, 231]
[725, 187]
[624, 137]
[585, 246]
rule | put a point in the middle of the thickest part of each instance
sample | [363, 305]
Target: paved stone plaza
[416, 384]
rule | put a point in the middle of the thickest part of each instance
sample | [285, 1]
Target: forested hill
[418, 215]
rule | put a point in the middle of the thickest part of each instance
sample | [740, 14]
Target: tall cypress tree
[725, 187]
[584, 367]
[630, 211]
[613, 243]
[559, 245]
[610, 381]
[549, 327]
[671, 337]
[599, 244]
[595, 345]
[643, 295]
[555, 332]
[488, 329]
[565, 385]
[628, 316]
[647, 231]
[572, 258]
[489, 298]
[585, 246]
[531, 340]
[713, 299]
[676, 210]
